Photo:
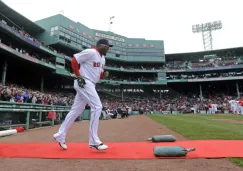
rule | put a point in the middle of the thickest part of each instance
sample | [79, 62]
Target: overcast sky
[168, 20]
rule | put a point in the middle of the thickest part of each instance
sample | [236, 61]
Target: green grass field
[198, 127]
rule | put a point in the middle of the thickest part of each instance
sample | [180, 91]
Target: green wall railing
[28, 109]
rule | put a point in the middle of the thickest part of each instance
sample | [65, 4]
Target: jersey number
[96, 64]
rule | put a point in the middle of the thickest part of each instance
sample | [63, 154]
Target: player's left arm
[103, 74]
[106, 74]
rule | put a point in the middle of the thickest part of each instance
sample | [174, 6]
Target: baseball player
[238, 107]
[214, 108]
[233, 105]
[210, 107]
[92, 62]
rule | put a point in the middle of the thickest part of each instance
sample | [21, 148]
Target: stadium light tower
[206, 30]
[111, 22]
[62, 12]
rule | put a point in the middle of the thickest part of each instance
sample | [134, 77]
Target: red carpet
[121, 150]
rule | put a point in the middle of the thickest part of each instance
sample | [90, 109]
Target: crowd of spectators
[182, 103]
[183, 65]
[136, 68]
[203, 75]
[27, 52]
[21, 94]
[132, 79]
[136, 101]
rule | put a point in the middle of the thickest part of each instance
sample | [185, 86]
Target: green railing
[39, 109]
[14, 105]
[28, 108]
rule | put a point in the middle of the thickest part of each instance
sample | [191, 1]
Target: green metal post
[237, 90]
[27, 121]
[80, 118]
[52, 124]
[40, 118]
[42, 84]
[59, 116]
[200, 89]
[5, 66]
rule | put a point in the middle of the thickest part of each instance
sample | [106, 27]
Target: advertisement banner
[165, 112]
[110, 37]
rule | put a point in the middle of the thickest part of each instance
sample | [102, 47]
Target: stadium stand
[35, 60]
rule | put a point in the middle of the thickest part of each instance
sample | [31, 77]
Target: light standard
[111, 22]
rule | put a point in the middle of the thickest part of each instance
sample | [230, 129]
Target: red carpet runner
[121, 150]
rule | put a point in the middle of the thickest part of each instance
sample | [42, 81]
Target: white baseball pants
[86, 95]
[234, 107]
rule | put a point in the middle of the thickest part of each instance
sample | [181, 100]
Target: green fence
[21, 109]
[38, 112]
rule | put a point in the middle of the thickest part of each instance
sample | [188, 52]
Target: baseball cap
[104, 42]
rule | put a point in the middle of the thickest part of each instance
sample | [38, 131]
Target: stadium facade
[133, 63]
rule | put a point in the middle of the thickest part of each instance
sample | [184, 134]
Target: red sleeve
[75, 67]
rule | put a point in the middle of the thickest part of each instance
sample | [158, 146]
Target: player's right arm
[80, 58]
[75, 67]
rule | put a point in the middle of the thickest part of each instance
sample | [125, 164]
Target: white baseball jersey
[215, 106]
[232, 102]
[91, 64]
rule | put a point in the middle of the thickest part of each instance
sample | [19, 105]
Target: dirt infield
[135, 128]
[228, 120]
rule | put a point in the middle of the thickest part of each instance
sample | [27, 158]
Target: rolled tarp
[171, 151]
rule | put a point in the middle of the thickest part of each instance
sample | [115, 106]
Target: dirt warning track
[132, 129]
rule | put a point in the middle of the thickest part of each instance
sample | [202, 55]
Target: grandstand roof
[29, 26]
